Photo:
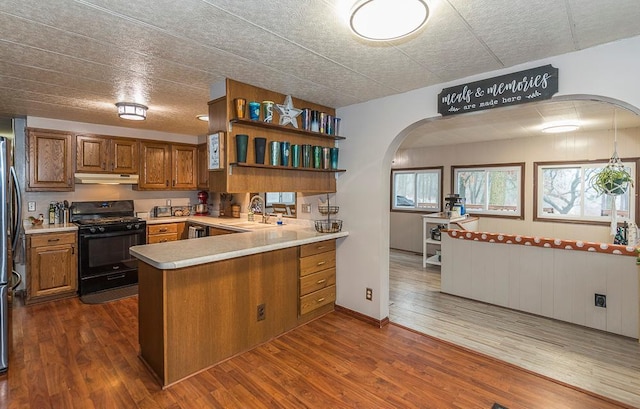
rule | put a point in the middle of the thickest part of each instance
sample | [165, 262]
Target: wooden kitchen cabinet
[167, 166]
[52, 266]
[50, 160]
[104, 154]
[317, 277]
[203, 167]
[251, 177]
[161, 233]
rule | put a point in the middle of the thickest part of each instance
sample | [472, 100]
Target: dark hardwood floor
[66, 354]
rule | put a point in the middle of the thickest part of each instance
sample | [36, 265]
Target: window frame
[634, 210]
[430, 169]
[488, 166]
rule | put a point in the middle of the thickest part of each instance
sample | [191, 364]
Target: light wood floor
[606, 364]
[66, 354]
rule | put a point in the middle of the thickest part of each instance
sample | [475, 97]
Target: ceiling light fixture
[132, 111]
[203, 117]
[560, 127]
[384, 20]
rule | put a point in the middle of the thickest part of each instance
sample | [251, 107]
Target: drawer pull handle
[321, 262]
[320, 299]
[162, 230]
[52, 240]
[324, 280]
[321, 247]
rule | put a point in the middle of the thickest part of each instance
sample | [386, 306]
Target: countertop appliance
[106, 231]
[162, 211]
[455, 204]
[202, 208]
[9, 226]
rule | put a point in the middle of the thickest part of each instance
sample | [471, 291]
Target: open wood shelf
[270, 125]
[253, 165]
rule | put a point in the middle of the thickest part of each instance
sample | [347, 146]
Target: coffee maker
[202, 209]
[454, 204]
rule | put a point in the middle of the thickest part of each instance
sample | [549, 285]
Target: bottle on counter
[52, 213]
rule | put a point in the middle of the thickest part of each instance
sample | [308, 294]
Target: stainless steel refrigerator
[9, 231]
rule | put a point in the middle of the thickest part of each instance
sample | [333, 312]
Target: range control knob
[129, 226]
[137, 225]
[101, 229]
[92, 229]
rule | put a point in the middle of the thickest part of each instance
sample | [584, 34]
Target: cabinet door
[53, 271]
[123, 156]
[91, 153]
[50, 161]
[203, 167]
[155, 170]
[184, 165]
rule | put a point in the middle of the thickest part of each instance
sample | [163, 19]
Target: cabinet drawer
[40, 240]
[317, 281]
[162, 238]
[315, 248]
[162, 228]
[317, 299]
[317, 262]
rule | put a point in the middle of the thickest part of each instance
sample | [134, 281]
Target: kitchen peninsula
[204, 300]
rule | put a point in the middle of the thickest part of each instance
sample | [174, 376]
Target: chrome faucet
[261, 206]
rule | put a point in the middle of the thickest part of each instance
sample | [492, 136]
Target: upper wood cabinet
[50, 160]
[203, 166]
[167, 166]
[249, 176]
[103, 154]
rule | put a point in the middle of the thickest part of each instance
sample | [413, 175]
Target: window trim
[521, 165]
[440, 169]
[536, 183]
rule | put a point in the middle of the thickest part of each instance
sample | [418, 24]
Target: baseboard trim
[361, 317]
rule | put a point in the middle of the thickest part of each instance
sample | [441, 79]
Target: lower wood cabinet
[317, 276]
[52, 266]
[160, 233]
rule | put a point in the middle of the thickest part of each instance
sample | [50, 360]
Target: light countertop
[49, 228]
[259, 239]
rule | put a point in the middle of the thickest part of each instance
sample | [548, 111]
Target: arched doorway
[467, 323]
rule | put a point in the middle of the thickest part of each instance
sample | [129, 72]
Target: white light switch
[31, 206]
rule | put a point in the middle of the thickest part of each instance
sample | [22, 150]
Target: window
[280, 197]
[491, 189]
[416, 189]
[563, 193]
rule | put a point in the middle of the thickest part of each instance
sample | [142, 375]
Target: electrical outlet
[31, 206]
[306, 208]
[369, 294]
[261, 312]
[600, 300]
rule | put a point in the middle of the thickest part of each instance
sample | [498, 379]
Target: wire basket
[328, 226]
[326, 209]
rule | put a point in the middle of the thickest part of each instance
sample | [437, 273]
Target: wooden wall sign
[532, 85]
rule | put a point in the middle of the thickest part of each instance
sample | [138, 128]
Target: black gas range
[106, 231]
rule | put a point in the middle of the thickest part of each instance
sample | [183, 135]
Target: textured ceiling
[73, 60]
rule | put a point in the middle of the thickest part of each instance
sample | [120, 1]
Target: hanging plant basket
[613, 180]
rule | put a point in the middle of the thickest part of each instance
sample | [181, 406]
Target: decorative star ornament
[288, 114]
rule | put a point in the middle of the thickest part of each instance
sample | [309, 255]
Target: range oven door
[104, 261]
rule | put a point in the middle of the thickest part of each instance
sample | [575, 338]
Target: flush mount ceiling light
[383, 20]
[203, 117]
[560, 127]
[132, 111]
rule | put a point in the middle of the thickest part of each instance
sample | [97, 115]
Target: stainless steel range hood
[106, 179]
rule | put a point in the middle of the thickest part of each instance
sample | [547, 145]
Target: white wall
[404, 228]
[374, 130]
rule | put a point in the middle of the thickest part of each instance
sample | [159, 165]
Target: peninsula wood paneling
[209, 312]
